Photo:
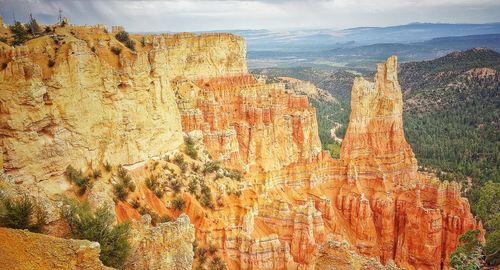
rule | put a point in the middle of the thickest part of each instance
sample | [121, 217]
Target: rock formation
[166, 246]
[293, 201]
[248, 124]
[25, 250]
[94, 106]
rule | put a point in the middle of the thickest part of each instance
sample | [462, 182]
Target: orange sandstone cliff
[292, 206]
[373, 197]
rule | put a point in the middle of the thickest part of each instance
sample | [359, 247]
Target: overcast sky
[200, 15]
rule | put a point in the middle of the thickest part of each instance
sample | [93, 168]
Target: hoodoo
[249, 174]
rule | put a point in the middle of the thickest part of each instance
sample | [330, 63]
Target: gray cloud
[193, 15]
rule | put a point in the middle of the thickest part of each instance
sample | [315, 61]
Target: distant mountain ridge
[364, 57]
[323, 39]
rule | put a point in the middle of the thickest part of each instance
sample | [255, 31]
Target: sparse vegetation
[124, 38]
[124, 185]
[135, 203]
[153, 185]
[77, 178]
[468, 254]
[96, 173]
[178, 204]
[234, 174]
[2, 39]
[107, 167]
[211, 167]
[21, 213]
[19, 33]
[51, 62]
[116, 50]
[33, 27]
[190, 147]
[99, 226]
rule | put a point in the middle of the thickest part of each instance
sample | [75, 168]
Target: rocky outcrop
[25, 250]
[373, 197]
[247, 124]
[166, 246]
[93, 106]
[68, 99]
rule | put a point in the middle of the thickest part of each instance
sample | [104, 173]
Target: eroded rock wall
[68, 99]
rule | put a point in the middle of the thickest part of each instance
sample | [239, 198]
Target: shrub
[122, 36]
[130, 44]
[48, 29]
[143, 41]
[21, 213]
[34, 27]
[190, 147]
[193, 187]
[206, 197]
[96, 173]
[116, 50]
[195, 167]
[179, 159]
[151, 183]
[234, 174]
[2, 39]
[467, 256]
[19, 33]
[212, 249]
[176, 186]
[159, 193]
[217, 263]
[211, 167]
[99, 227]
[76, 177]
[51, 62]
[124, 185]
[135, 204]
[155, 219]
[120, 191]
[201, 254]
[179, 203]
[107, 167]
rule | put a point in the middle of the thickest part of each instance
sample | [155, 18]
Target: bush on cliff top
[21, 213]
[99, 227]
[124, 38]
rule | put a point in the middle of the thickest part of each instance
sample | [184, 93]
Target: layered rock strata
[68, 99]
[249, 125]
[92, 105]
[373, 197]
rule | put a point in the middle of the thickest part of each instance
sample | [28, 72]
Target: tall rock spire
[375, 134]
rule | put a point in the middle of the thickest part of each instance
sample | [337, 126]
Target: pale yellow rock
[25, 250]
[94, 106]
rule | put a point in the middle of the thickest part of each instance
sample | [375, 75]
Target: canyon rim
[223, 165]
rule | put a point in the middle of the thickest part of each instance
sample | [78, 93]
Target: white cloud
[192, 15]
